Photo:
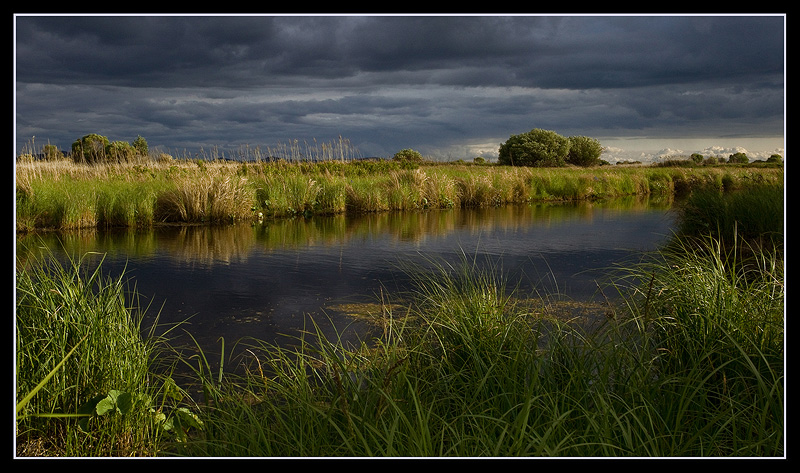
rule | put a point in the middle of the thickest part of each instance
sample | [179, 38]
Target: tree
[738, 158]
[584, 151]
[408, 155]
[775, 158]
[90, 149]
[140, 145]
[120, 151]
[535, 148]
[696, 157]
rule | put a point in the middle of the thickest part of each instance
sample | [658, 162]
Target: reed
[65, 195]
[124, 204]
[208, 198]
[691, 366]
[717, 327]
[466, 370]
[366, 194]
[76, 329]
[754, 213]
[690, 362]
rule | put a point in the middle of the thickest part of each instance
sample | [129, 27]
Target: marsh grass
[756, 213]
[690, 362]
[64, 306]
[717, 324]
[691, 366]
[209, 198]
[124, 205]
[64, 195]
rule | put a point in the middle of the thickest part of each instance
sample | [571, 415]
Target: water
[267, 281]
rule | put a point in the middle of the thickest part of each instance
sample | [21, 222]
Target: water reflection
[271, 279]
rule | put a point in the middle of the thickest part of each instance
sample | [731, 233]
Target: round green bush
[535, 148]
[408, 155]
[584, 151]
[738, 158]
[140, 145]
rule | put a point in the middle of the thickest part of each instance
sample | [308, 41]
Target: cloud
[443, 85]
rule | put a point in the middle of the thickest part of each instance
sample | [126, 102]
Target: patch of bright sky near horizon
[452, 87]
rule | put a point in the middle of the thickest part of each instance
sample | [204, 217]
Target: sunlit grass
[689, 363]
[64, 195]
[66, 306]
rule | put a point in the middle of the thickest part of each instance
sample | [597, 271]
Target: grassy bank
[691, 366]
[690, 363]
[64, 195]
[86, 371]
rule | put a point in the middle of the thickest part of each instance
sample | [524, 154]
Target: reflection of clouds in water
[598, 229]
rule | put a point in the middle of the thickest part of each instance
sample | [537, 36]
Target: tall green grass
[718, 326]
[756, 213]
[85, 366]
[690, 364]
[691, 367]
[65, 195]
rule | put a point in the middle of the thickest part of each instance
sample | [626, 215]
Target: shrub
[90, 149]
[738, 158]
[140, 145]
[584, 151]
[775, 158]
[408, 155]
[120, 151]
[535, 148]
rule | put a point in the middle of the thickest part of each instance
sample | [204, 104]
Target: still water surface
[266, 280]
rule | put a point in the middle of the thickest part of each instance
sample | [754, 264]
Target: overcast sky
[451, 87]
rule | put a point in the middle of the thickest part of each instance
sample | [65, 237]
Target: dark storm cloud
[394, 81]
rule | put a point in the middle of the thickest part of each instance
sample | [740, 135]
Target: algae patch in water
[373, 312]
[578, 312]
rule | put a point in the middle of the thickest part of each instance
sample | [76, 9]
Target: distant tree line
[538, 148]
[697, 159]
[96, 149]
[546, 148]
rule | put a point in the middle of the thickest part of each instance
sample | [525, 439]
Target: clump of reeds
[752, 213]
[124, 205]
[716, 328]
[287, 195]
[79, 338]
[208, 199]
